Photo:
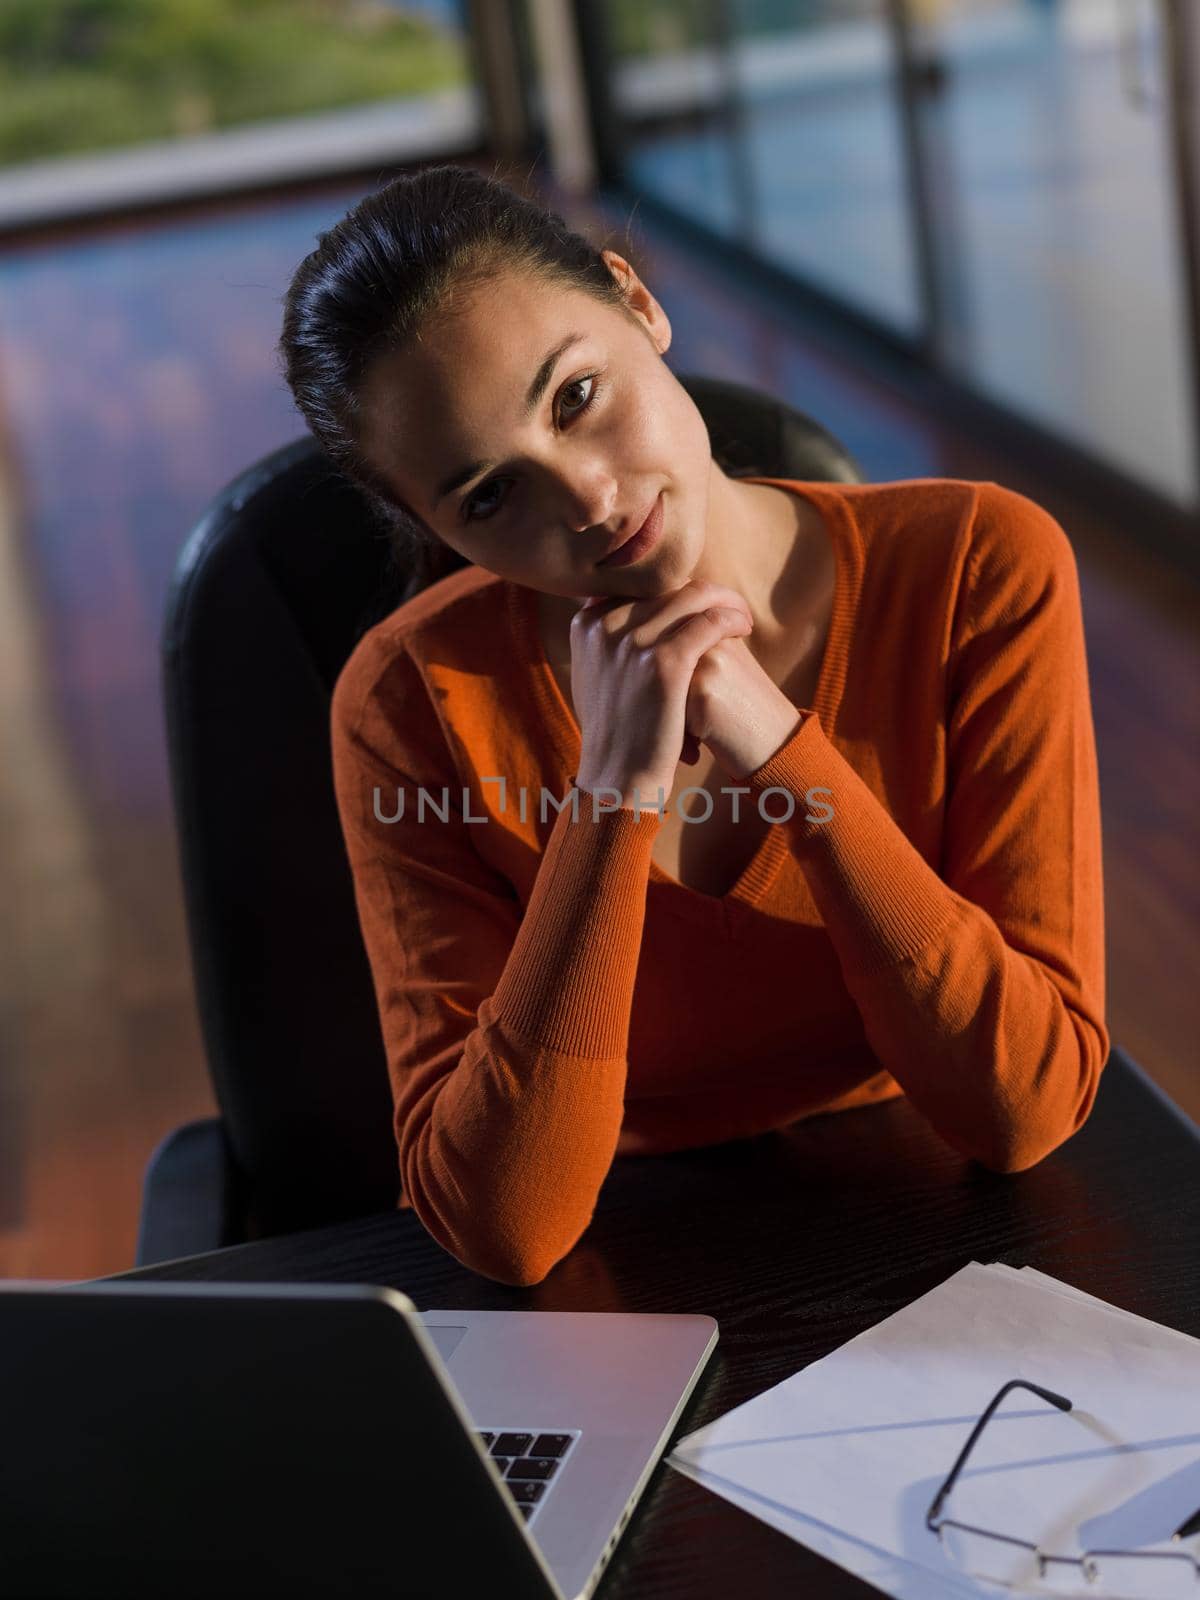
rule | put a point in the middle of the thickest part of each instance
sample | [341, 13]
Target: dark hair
[400, 254]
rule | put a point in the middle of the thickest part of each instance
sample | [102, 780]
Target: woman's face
[545, 485]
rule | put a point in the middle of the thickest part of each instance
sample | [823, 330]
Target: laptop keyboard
[528, 1461]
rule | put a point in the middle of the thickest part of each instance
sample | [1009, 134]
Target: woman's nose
[591, 498]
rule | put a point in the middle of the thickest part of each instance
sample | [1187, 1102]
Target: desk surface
[796, 1242]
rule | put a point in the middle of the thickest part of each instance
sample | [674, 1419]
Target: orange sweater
[550, 997]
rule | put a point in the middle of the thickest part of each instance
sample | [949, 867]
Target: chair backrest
[272, 590]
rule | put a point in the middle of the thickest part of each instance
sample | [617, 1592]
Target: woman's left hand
[735, 708]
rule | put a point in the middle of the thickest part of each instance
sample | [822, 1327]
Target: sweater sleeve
[506, 1035]
[981, 985]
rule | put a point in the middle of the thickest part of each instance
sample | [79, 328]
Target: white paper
[901, 1579]
[847, 1454]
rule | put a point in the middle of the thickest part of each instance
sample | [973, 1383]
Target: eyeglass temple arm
[1058, 1400]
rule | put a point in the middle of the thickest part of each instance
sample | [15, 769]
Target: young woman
[692, 805]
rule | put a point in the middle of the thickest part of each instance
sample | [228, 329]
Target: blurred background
[961, 234]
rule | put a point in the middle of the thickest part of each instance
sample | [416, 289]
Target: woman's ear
[640, 301]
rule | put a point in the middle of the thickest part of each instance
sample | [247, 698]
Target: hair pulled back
[401, 254]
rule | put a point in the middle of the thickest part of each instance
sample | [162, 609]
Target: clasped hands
[736, 710]
[732, 706]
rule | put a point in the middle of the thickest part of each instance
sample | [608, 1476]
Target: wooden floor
[136, 377]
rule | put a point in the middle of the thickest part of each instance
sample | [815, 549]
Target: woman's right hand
[631, 668]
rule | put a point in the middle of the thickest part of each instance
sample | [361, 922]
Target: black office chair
[276, 584]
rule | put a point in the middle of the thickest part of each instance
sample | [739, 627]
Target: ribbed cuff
[568, 983]
[879, 898]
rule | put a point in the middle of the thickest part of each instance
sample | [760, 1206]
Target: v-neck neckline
[762, 866]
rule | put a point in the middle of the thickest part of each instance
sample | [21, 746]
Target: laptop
[219, 1439]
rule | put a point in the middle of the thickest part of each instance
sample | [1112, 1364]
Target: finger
[724, 620]
[699, 630]
[660, 617]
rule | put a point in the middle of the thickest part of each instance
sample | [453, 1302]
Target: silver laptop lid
[620, 1379]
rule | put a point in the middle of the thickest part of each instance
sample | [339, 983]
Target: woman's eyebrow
[537, 389]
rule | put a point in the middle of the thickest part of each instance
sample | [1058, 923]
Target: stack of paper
[847, 1455]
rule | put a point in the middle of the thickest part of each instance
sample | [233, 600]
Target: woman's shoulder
[453, 623]
[1016, 541]
[979, 513]
[980, 531]
[445, 609]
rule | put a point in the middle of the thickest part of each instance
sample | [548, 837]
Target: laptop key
[527, 1493]
[512, 1444]
[550, 1444]
[487, 1438]
[526, 1467]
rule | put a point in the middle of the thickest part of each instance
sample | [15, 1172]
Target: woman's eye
[577, 383]
[592, 378]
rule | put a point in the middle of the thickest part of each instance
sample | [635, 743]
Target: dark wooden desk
[796, 1242]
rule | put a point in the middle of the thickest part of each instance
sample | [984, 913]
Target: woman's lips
[642, 542]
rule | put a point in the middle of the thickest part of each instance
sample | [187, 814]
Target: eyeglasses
[1143, 1574]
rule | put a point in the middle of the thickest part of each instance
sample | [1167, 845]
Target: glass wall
[1068, 249]
[821, 121]
[1008, 203]
[671, 80]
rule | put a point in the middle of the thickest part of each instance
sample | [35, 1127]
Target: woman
[886, 876]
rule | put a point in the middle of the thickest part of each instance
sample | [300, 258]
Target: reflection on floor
[137, 376]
